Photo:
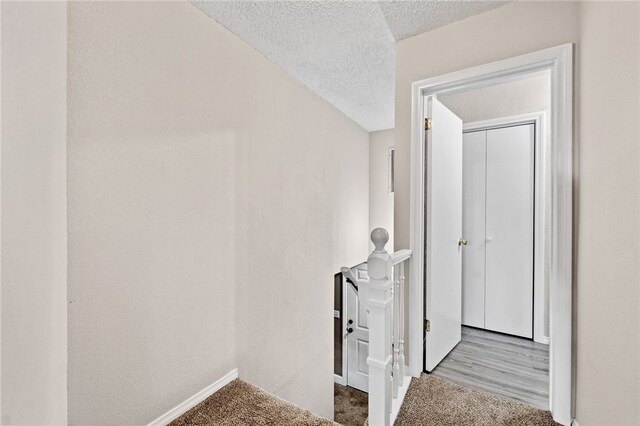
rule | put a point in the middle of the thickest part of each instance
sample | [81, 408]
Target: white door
[473, 227]
[509, 229]
[357, 336]
[443, 215]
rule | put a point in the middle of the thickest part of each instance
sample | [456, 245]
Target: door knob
[462, 242]
[349, 330]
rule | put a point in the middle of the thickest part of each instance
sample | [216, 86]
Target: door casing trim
[342, 380]
[559, 61]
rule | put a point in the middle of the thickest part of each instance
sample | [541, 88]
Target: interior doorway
[502, 248]
[485, 184]
[351, 341]
[436, 238]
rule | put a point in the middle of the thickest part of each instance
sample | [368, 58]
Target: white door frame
[559, 60]
[541, 198]
[342, 379]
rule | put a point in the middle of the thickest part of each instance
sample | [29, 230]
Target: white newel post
[379, 304]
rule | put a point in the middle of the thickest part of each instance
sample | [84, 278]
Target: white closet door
[509, 230]
[473, 227]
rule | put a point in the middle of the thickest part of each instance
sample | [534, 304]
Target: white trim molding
[194, 400]
[345, 347]
[396, 403]
[559, 61]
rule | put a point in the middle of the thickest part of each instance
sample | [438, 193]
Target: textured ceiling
[343, 51]
[408, 18]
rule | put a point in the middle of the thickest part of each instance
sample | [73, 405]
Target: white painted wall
[505, 100]
[211, 200]
[34, 231]
[608, 215]
[502, 100]
[380, 199]
[0, 212]
[607, 302]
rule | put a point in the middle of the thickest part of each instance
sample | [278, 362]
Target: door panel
[362, 353]
[443, 271]
[509, 230]
[358, 338]
[473, 227]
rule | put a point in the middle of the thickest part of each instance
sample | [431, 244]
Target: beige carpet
[351, 405]
[431, 401]
[240, 403]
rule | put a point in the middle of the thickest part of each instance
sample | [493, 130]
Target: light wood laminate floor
[508, 366]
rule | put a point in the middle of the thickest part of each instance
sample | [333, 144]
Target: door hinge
[427, 124]
[427, 325]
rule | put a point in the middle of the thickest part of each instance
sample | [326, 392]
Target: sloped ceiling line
[342, 50]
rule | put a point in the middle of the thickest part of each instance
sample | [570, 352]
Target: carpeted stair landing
[431, 401]
[240, 403]
[351, 406]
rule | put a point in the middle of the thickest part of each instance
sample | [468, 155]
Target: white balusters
[401, 303]
[397, 378]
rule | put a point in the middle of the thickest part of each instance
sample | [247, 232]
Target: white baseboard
[540, 338]
[402, 392]
[340, 380]
[191, 402]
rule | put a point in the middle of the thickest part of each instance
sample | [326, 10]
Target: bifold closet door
[509, 230]
[473, 227]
